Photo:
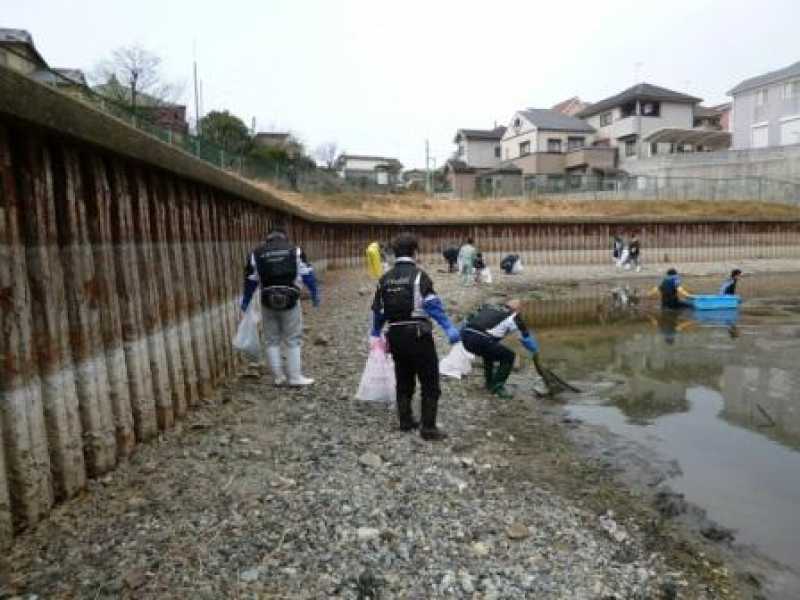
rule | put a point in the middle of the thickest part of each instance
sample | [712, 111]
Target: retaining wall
[121, 262]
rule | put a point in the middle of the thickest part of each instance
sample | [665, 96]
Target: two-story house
[479, 148]
[766, 109]
[626, 120]
[378, 170]
[545, 141]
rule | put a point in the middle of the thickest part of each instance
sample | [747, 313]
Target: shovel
[553, 382]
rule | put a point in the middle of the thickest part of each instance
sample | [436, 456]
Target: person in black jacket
[482, 336]
[278, 267]
[406, 300]
[450, 255]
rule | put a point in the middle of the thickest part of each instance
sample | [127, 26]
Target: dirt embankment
[416, 205]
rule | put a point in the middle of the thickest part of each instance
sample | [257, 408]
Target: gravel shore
[276, 493]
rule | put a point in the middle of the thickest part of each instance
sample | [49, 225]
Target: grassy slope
[415, 205]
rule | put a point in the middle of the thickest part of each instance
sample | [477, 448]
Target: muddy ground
[276, 493]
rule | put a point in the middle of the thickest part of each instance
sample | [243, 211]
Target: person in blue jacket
[728, 287]
[482, 336]
[406, 301]
[673, 294]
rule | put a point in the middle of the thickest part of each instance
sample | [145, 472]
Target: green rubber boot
[488, 373]
[499, 382]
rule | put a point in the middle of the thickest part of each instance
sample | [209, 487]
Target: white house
[372, 169]
[628, 120]
[766, 109]
[479, 148]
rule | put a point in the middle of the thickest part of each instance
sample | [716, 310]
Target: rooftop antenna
[637, 71]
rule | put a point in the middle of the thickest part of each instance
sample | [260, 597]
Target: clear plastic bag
[377, 382]
[486, 275]
[457, 363]
[247, 339]
[517, 268]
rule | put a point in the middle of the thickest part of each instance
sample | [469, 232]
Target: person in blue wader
[482, 336]
[673, 294]
[728, 287]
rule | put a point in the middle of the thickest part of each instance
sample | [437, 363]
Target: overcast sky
[380, 77]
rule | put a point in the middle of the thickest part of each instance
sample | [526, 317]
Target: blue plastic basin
[714, 301]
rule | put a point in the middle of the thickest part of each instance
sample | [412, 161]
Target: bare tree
[327, 153]
[133, 75]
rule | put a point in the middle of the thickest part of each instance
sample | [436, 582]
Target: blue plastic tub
[714, 302]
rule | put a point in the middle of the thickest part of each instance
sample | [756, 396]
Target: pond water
[718, 392]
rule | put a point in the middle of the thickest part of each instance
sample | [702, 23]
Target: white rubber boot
[294, 364]
[275, 365]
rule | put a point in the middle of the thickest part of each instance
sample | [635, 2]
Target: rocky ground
[276, 493]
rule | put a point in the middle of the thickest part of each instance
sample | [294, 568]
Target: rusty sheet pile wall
[119, 279]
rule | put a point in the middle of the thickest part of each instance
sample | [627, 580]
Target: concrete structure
[624, 120]
[271, 139]
[117, 314]
[766, 109]
[369, 169]
[479, 148]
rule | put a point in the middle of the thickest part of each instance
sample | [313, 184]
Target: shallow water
[717, 392]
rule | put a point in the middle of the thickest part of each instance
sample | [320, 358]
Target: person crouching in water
[279, 267]
[728, 287]
[482, 336]
[406, 300]
[672, 292]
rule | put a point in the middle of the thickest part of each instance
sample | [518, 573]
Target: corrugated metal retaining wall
[118, 287]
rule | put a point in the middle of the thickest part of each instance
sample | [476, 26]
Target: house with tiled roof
[571, 106]
[379, 170]
[543, 141]
[647, 119]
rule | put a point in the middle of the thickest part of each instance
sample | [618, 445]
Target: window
[460, 150]
[761, 97]
[574, 143]
[517, 123]
[651, 109]
[630, 147]
[606, 118]
[791, 89]
[497, 151]
[554, 145]
[524, 148]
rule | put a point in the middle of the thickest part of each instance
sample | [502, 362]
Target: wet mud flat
[698, 415]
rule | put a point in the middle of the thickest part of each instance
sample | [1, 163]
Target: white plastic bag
[457, 363]
[486, 275]
[247, 339]
[517, 268]
[377, 382]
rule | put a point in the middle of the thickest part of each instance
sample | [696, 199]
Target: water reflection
[718, 391]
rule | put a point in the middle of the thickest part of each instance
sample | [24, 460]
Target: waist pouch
[280, 297]
[423, 326]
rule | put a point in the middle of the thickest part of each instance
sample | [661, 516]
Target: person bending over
[482, 336]
[728, 287]
[406, 300]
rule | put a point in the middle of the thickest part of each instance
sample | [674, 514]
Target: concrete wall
[120, 266]
[541, 162]
[781, 163]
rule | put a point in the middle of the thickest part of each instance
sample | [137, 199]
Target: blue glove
[250, 287]
[453, 334]
[530, 343]
[310, 281]
[433, 306]
[377, 323]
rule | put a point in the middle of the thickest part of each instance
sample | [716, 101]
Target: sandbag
[247, 339]
[457, 363]
[377, 382]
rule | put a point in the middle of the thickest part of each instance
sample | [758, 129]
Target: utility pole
[428, 186]
[196, 95]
